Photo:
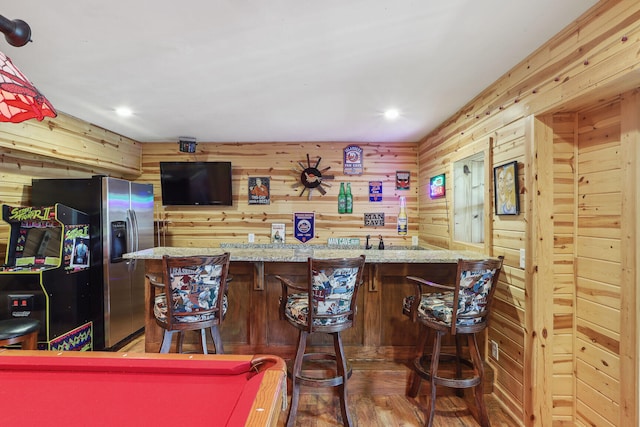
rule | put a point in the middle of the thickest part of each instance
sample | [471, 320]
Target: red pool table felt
[47, 388]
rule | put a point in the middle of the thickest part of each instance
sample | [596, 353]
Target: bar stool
[197, 290]
[471, 296]
[20, 330]
[327, 304]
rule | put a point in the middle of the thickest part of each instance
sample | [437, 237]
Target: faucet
[367, 245]
[381, 244]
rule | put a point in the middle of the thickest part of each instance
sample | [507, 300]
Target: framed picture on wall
[505, 186]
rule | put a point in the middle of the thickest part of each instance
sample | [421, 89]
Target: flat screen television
[196, 183]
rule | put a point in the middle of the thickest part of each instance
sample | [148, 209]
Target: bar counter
[252, 324]
[300, 253]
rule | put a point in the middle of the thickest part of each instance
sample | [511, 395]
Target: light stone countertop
[300, 253]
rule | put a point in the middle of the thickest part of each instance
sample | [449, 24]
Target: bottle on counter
[342, 200]
[402, 217]
[348, 199]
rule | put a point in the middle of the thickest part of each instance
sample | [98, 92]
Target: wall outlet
[251, 237]
[522, 263]
[495, 350]
[414, 241]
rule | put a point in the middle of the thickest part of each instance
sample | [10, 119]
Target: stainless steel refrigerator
[121, 216]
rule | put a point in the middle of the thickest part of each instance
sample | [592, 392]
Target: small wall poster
[80, 252]
[259, 191]
[375, 191]
[304, 226]
[76, 247]
[402, 180]
[353, 160]
[278, 233]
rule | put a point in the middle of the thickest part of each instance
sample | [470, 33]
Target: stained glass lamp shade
[19, 99]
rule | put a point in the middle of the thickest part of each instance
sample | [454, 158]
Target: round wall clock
[312, 178]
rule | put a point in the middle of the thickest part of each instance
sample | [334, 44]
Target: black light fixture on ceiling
[17, 32]
[187, 144]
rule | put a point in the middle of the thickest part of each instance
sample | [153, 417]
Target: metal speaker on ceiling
[187, 144]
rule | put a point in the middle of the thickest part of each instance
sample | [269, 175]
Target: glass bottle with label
[348, 199]
[402, 217]
[342, 200]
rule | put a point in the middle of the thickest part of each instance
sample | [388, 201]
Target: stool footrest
[324, 381]
[421, 365]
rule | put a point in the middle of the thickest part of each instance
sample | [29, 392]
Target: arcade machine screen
[38, 244]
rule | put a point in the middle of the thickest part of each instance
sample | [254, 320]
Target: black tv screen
[196, 183]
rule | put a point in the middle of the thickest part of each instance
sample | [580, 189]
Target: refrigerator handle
[136, 231]
[133, 237]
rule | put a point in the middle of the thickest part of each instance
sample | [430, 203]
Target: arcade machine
[46, 274]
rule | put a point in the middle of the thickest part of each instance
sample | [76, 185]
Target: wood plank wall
[630, 258]
[579, 70]
[205, 226]
[67, 143]
[508, 323]
[564, 213]
[64, 147]
[598, 266]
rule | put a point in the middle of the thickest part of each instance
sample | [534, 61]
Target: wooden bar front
[252, 324]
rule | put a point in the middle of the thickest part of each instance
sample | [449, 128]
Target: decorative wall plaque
[304, 226]
[353, 160]
[375, 191]
[312, 178]
[374, 219]
[403, 180]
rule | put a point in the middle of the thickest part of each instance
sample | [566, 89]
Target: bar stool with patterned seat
[326, 304]
[197, 290]
[475, 284]
[20, 330]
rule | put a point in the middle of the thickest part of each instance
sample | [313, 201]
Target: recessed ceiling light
[124, 111]
[391, 114]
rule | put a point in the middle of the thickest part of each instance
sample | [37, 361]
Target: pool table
[49, 388]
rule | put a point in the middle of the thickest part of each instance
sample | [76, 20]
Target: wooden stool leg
[217, 339]
[422, 342]
[459, 391]
[180, 342]
[458, 356]
[30, 342]
[435, 359]
[341, 364]
[478, 368]
[296, 370]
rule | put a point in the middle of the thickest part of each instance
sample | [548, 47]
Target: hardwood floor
[375, 400]
[392, 411]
